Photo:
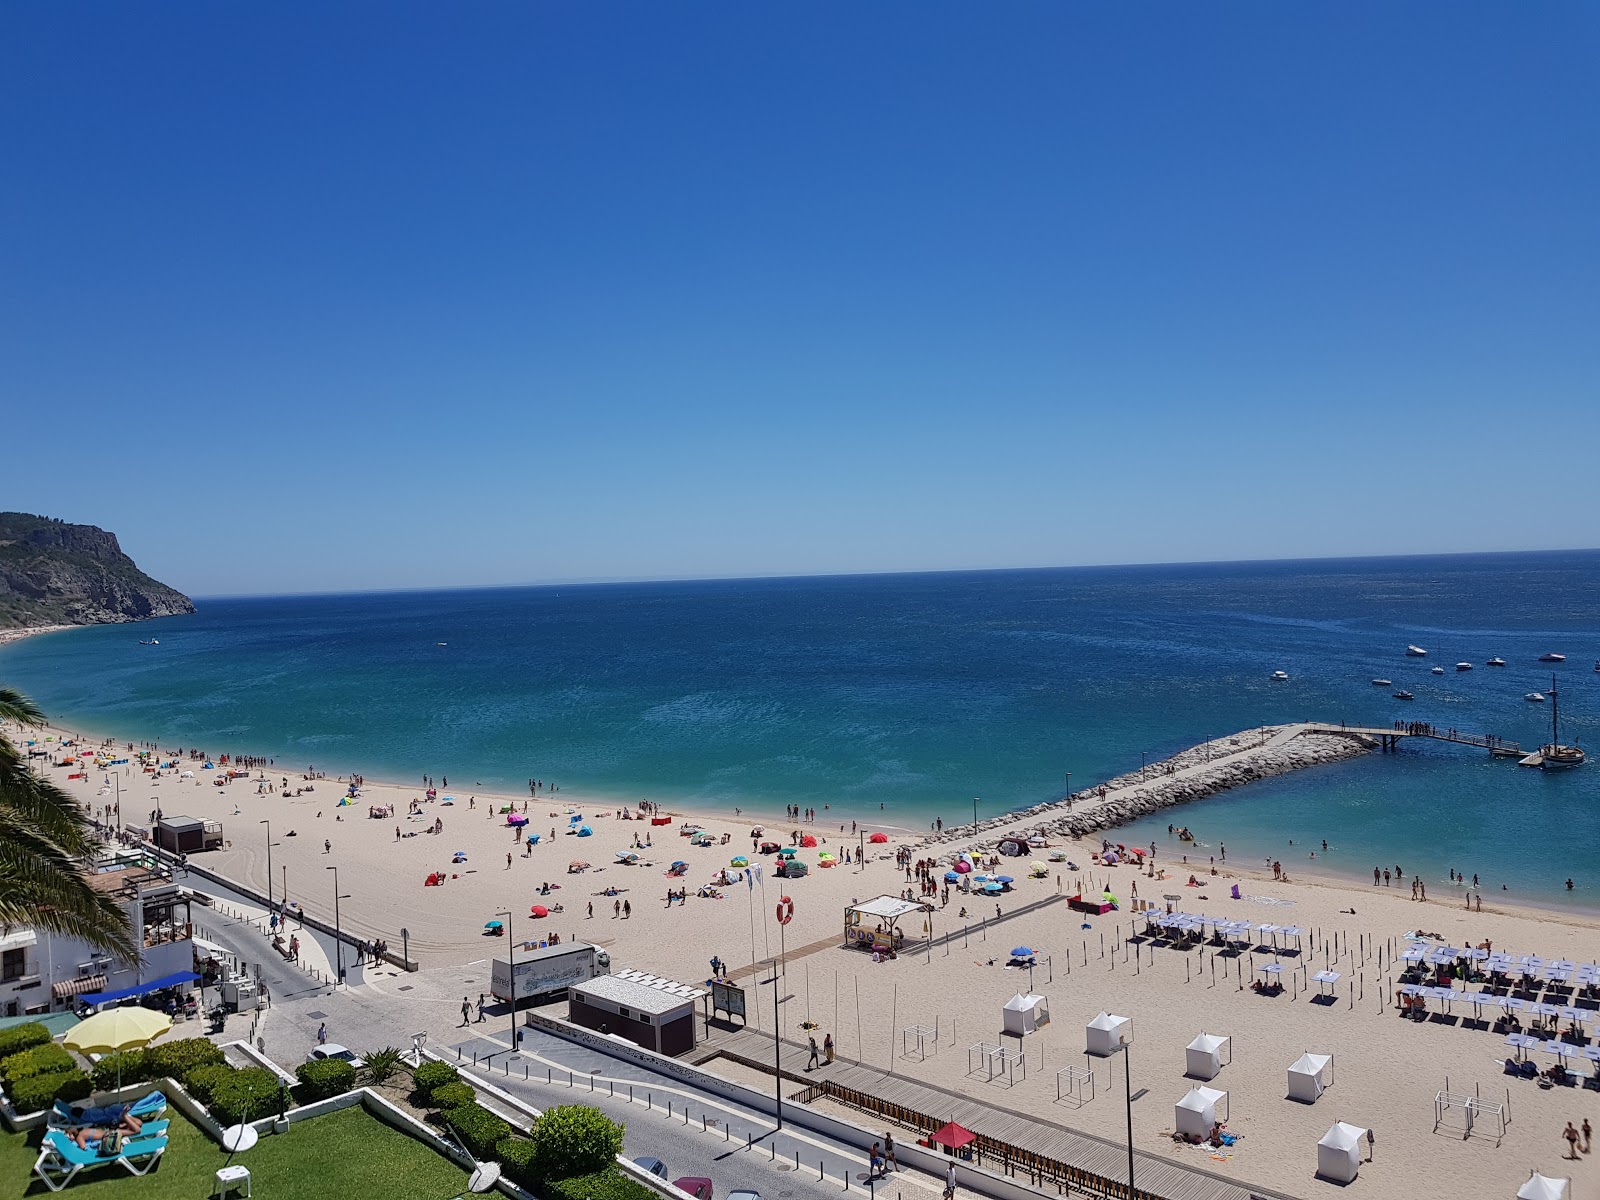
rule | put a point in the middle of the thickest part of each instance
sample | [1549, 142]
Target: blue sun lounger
[146, 1108]
[60, 1160]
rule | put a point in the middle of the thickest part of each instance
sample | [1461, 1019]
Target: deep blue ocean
[914, 692]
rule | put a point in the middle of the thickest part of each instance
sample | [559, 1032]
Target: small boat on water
[1404, 696]
[441, 643]
[1495, 662]
[1416, 652]
[1280, 676]
[1554, 756]
[1552, 657]
[154, 642]
[1383, 683]
[1463, 666]
[1534, 697]
[1438, 670]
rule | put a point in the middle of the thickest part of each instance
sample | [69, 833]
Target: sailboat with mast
[1555, 756]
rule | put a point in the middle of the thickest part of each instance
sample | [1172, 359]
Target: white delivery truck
[548, 970]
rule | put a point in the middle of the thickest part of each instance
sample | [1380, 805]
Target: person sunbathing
[92, 1137]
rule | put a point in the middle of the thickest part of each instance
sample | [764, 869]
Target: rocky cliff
[52, 573]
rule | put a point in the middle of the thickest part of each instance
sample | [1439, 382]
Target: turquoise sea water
[914, 692]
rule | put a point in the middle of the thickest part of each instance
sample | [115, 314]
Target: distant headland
[53, 573]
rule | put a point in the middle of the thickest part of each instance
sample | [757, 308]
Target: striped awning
[76, 987]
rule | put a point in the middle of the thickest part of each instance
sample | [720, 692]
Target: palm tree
[46, 851]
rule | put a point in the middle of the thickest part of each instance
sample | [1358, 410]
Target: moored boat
[1463, 666]
[1495, 662]
[1382, 682]
[1416, 652]
[1404, 696]
[1552, 657]
[1534, 697]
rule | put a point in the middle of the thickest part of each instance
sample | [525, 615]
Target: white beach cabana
[1207, 1055]
[1195, 1113]
[1105, 1034]
[1542, 1187]
[1024, 1014]
[1309, 1076]
[1339, 1152]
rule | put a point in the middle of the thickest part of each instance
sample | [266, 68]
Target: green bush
[574, 1139]
[453, 1095]
[431, 1075]
[202, 1081]
[610, 1184]
[131, 1066]
[479, 1129]
[516, 1157]
[22, 1037]
[41, 1091]
[177, 1059]
[47, 1059]
[246, 1095]
[329, 1077]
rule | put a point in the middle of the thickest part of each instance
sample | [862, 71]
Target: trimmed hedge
[480, 1130]
[41, 1091]
[22, 1037]
[329, 1077]
[246, 1095]
[610, 1184]
[574, 1140]
[516, 1157]
[178, 1058]
[134, 1066]
[431, 1075]
[202, 1081]
[454, 1095]
[45, 1059]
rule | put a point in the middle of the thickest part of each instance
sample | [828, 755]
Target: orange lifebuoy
[785, 910]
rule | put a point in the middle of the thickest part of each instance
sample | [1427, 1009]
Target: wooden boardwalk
[1044, 1153]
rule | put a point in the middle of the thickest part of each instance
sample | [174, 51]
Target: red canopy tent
[954, 1136]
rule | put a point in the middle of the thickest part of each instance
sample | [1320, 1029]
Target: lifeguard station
[872, 924]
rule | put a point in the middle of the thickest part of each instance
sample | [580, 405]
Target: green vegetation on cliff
[53, 573]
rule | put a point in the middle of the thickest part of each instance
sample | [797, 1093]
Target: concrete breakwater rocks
[1192, 774]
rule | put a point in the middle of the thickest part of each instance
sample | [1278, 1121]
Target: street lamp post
[777, 1043]
[511, 949]
[268, 824]
[1069, 786]
[975, 816]
[338, 930]
[1127, 1078]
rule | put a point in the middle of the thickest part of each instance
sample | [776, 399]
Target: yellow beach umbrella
[117, 1029]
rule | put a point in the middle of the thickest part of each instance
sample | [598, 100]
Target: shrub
[516, 1156]
[479, 1129]
[431, 1075]
[572, 1140]
[381, 1064]
[133, 1065]
[41, 1091]
[453, 1095]
[202, 1081]
[330, 1077]
[246, 1095]
[22, 1037]
[610, 1184]
[178, 1058]
[46, 1059]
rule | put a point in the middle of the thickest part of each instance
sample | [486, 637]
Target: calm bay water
[916, 692]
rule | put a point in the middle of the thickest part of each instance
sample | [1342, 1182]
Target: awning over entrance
[76, 987]
[153, 985]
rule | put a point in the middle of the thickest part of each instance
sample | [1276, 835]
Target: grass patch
[346, 1153]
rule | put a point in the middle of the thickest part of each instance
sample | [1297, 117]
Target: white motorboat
[1416, 652]
[1463, 666]
[1404, 696]
[1552, 657]
[1495, 662]
[1383, 683]
[1438, 670]
[151, 642]
[1280, 676]
[1534, 697]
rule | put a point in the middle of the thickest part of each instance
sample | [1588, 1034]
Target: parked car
[654, 1165]
[697, 1186]
[334, 1050]
[744, 1194]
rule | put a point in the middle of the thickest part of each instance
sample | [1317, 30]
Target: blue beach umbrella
[1004, 879]
[952, 877]
[1022, 952]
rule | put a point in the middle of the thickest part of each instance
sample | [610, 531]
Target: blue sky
[359, 296]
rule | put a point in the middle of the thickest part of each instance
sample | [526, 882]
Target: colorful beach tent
[808, 841]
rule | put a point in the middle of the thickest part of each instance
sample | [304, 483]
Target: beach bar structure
[1309, 1076]
[646, 1010]
[1024, 1014]
[1339, 1153]
[1207, 1055]
[188, 835]
[1543, 1187]
[1197, 1112]
[872, 924]
[1105, 1034]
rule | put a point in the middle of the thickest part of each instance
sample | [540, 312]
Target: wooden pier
[1389, 739]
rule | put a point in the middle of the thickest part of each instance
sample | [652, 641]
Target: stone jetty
[1192, 774]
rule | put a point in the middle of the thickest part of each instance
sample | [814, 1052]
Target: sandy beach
[1386, 1070]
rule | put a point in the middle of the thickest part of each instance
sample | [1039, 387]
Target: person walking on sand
[1588, 1134]
[1571, 1134]
[627, 909]
[616, 909]
[466, 1013]
[812, 1062]
[591, 910]
[827, 1047]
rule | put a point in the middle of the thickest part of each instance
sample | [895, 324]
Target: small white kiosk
[1339, 1153]
[1542, 1187]
[1106, 1033]
[1309, 1076]
[1196, 1112]
[1207, 1055]
[1024, 1014]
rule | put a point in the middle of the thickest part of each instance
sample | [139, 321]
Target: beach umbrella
[495, 925]
[1004, 879]
[739, 860]
[539, 910]
[788, 852]
[679, 865]
[575, 820]
[533, 839]
[952, 877]
[808, 841]
[117, 1029]
[993, 888]
[878, 838]
[1022, 952]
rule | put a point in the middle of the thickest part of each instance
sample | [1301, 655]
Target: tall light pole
[974, 816]
[511, 949]
[1069, 785]
[338, 934]
[1127, 1078]
[268, 824]
[777, 1044]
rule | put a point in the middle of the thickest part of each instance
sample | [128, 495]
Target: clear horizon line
[604, 580]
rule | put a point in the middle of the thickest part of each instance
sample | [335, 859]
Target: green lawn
[346, 1154]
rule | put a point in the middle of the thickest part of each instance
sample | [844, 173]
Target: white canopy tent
[1195, 1113]
[1542, 1187]
[1339, 1152]
[1309, 1076]
[1106, 1033]
[1207, 1055]
[1024, 1014]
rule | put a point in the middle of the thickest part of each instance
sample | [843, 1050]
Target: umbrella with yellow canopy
[117, 1029]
